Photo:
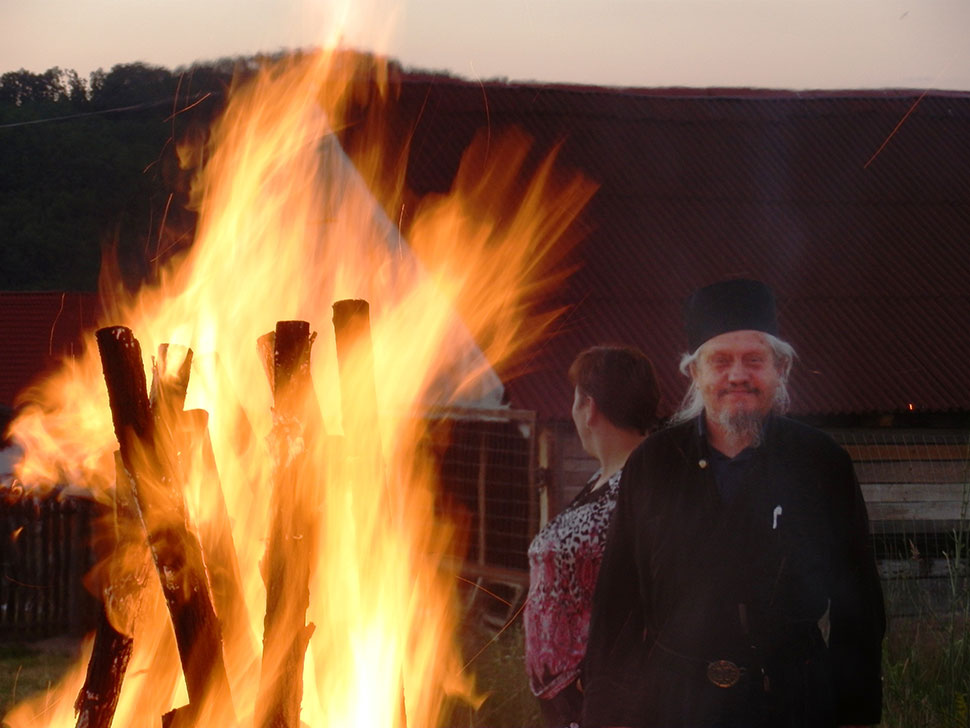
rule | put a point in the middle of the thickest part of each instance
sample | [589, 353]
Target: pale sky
[791, 44]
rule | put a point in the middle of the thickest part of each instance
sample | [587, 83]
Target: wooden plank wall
[911, 485]
[911, 480]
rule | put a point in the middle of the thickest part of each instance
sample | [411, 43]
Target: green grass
[26, 670]
[499, 669]
[926, 664]
[497, 663]
[927, 674]
[926, 660]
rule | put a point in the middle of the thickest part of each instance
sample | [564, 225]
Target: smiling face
[737, 376]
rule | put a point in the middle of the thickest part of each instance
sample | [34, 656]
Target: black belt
[721, 672]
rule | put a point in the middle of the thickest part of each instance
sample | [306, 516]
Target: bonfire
[253, 422]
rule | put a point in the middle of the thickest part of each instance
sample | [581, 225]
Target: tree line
[88, 165]
[89, 172]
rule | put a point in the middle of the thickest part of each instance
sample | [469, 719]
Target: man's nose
[737, 372]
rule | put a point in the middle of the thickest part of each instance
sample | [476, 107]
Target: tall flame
[288, 224]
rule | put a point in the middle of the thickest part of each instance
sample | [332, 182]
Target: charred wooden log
[358, 391]
[121, 595]
[98, 698]
[215, 533]
[291, 539]
[170, 382]
[358, 397]
[150, 461]
[305, 409]
[189, 433]
[209, 370]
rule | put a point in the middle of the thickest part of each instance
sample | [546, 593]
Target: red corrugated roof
[37, 329]
[870, 260]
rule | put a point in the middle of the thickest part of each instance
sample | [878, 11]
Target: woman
[614, 407]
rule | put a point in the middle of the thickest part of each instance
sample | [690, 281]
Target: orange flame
[288, 224]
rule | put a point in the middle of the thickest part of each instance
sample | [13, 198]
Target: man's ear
[592, 412]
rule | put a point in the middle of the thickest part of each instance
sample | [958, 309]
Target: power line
[135, 107]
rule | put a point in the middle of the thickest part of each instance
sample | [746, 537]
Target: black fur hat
[733, 305]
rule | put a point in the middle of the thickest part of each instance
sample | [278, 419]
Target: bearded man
[738, 587]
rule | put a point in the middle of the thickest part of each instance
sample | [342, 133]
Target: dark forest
[89, 168]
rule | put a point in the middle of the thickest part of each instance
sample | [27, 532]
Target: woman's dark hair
[622, 381]
[6, 417]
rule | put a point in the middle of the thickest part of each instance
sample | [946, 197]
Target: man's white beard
[743, 426]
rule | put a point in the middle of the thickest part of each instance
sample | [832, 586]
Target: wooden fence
[916, 485]
[44, 554]
[486, 465]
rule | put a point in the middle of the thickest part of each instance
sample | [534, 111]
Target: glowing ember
[288, 225]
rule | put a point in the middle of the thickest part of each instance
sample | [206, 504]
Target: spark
[190, 106]
[490, 593]
[50, 340]
[893, 132]
[912, 108]
[495, 638]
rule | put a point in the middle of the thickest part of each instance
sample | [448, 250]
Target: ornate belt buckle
[723, 673]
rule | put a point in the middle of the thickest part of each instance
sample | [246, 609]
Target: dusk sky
[796, 44]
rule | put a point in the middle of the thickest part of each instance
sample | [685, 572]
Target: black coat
[779, 582]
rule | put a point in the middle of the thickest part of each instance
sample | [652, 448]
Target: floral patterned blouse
[564, 561]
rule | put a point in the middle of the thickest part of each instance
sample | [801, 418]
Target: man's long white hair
[693, 403]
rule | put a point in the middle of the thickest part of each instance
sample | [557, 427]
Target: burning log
[215, 533]
[358, 397]
[358, 393]
[210, 371]
[151, 463]
[167, 396]
[96, 703]
[189, 433]
[286, 568]
[307, 410]
[111, 652]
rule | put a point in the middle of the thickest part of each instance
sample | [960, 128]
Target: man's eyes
[725, 361]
